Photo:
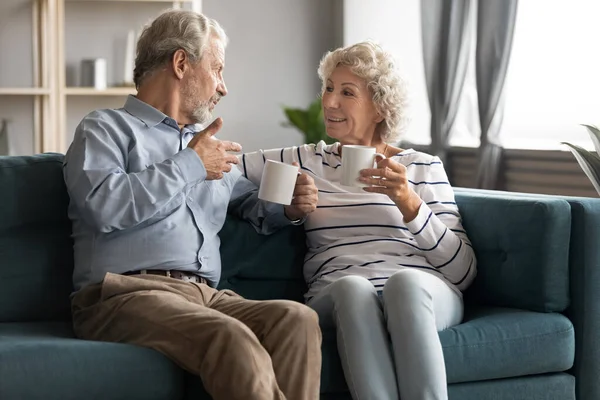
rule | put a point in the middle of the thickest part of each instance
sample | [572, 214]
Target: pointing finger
[232, 146]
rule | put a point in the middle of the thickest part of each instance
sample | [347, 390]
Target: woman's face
[348, 108]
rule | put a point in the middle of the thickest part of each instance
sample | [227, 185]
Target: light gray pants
[413, 307]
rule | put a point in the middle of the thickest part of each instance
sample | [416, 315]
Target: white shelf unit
[24, 91]
[49, 90]
[44, 42]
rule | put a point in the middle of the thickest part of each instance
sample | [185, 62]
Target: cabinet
[62, 33]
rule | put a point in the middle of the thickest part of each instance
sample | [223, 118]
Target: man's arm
[264, 216]
[108, 197]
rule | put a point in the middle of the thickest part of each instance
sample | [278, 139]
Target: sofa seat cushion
[44, 360]
[491, 343]
[495, 343]
[272, 289]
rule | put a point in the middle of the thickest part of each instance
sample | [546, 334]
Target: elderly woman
[387, 263]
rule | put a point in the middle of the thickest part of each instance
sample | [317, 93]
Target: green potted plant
[308, 121]
[589, 161]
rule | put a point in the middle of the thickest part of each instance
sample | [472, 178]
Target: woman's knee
[352, 287]
[408, 284]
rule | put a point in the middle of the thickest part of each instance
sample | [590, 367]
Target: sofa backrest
[522, 247]
[262, 267]
[36, 251]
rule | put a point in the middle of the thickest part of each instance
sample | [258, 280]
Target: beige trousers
[241, 349]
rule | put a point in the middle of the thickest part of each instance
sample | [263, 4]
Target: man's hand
[213, 152]
[306, 196]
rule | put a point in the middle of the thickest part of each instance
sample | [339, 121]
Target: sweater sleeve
[264, 216]
[438, 229]
[252, 164]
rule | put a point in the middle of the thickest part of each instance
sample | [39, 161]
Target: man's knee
[298, 314]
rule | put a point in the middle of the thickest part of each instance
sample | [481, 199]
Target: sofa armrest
[584, 310]
[584, 278]
[522, 249]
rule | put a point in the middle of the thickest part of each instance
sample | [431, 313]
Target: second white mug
[354, 159]
[278, 182]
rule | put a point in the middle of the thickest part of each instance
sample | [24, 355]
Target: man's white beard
[202, 113]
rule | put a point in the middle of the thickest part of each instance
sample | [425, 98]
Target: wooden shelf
[90, 91]
[133, 1]
[23, 91]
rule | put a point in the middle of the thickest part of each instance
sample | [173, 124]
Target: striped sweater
[353, 232]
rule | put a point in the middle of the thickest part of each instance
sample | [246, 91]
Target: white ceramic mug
[278, 182]
[354, 159]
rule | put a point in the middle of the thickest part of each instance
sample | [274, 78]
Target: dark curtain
[446, 42]
[495, 27]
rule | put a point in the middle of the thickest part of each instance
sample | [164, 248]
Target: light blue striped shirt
[140, 198]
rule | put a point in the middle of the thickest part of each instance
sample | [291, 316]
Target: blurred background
[495, 86]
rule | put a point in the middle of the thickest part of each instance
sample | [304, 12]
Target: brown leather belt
[180, 275]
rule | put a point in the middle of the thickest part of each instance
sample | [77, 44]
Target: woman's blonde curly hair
[370, 62]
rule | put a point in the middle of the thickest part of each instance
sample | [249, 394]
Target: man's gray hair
[169, 32]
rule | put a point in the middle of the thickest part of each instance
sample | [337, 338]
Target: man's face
[205, 85]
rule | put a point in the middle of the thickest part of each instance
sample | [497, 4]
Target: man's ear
[180, 63]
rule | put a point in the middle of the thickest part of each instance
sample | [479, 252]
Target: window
[552, 84]
[553, 81]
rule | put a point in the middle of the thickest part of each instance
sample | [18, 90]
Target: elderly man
[149, 195]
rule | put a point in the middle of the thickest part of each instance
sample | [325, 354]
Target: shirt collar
[145, 112]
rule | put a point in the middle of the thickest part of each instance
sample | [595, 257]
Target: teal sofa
[531, 328]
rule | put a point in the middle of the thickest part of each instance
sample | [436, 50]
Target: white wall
[396, 25]
[271, 61]
[275, 47]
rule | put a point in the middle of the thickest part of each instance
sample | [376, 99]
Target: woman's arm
[437, 228]
[423, 194]
[251, 164]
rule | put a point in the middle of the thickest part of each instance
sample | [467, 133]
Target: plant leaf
[589, 163]
[297, 118]
[595, 135]
[310, 122]
[315, 110]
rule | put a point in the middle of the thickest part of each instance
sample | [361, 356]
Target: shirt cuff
[421, 221]
[190, 164]
[298, 221]
[277, 216]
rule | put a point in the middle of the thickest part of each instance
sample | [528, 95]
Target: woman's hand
[390, 178]
[306, 197]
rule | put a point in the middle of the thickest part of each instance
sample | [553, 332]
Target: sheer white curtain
[552, 84]
[553, 81]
